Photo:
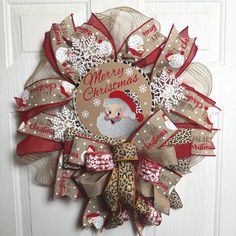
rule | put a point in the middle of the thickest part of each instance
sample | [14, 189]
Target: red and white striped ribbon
[149, 170]
[99, 161]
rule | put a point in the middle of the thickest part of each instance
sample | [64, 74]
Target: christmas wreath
[116, 113]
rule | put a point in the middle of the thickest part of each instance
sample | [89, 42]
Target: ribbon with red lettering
[44, 94]
[143, 45]
[195, 107]
[65, 50]
[177, 54]
[64, 184]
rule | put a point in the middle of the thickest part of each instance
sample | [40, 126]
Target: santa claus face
[105, 48]
[169, 124]
[67, 88]
[62, 54]
[115, 113]
[136, 42]
[117, 121]
[140, 48]
[176, 60]
[97, 221]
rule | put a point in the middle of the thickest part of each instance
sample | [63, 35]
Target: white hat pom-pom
[61, 54]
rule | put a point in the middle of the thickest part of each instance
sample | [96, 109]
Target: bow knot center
[125, 152]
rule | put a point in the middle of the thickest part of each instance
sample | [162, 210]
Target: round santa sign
[113, 99]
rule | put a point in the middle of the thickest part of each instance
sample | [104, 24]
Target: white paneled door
[208, 193]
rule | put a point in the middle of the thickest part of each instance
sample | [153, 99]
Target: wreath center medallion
[113, 99]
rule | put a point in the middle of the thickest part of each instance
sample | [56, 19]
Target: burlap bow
[114, 172]
[119, 188]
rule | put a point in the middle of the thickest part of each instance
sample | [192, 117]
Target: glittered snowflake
[129, 71]
[85, 114]
[85, 53]
[142, 88]
[167, 90]
[64, 120]
[96, 102]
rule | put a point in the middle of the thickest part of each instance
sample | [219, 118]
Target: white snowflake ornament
[64, 120]
[167, 90]
[85, 53]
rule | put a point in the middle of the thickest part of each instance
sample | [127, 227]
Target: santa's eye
[117, 113]
[109, 112]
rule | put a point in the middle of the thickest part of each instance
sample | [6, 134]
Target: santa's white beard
[120, 129]
[177, 62]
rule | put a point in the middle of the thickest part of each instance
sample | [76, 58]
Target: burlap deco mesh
[43, 70]
[44, 164]
[198, 76]
[195, 160]
[121, 21]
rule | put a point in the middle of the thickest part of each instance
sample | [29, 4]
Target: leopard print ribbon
[121, 185]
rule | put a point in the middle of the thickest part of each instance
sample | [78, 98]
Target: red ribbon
[33, 144]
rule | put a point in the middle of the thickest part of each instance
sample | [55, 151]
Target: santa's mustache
[113, 120]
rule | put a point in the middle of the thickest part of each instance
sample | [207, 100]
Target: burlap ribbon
[119, 188]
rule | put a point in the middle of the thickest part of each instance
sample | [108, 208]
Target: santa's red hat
[91, 147]
[171, 53]
[168, 55]
[93, 215]
[129, 101]
[63, 91]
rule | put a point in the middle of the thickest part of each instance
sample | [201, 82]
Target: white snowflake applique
[167, 90]
[96, 102]
[85, 114]
[85, 53]
[142, 88]
[129, 71]
[64, 120]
